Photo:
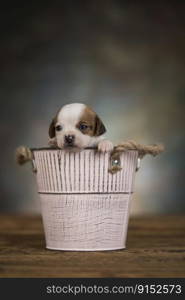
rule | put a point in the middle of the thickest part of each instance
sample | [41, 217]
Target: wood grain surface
[155, 248]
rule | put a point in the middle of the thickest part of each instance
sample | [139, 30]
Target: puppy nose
[69, 139]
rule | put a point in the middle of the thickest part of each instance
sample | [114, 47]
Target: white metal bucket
[84, 207]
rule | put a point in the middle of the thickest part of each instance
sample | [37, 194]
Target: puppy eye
[83, 126]
[58, 128]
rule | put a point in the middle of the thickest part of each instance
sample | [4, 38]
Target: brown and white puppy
[75, 127]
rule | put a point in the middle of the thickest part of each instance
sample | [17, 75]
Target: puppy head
[76, 126]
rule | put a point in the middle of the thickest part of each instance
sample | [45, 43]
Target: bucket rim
[54, 149]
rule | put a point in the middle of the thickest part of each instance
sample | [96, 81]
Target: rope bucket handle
[115, 164]
[24, 154]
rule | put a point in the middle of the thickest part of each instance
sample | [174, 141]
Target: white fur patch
[70, 114]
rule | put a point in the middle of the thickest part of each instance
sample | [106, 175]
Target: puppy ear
[99, 127]
[52, 129]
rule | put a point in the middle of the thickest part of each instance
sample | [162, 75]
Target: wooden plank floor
[155, 248]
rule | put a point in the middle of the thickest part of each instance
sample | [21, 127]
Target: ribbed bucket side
[59, 171]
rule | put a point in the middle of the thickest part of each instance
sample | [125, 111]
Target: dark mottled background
[124, 58]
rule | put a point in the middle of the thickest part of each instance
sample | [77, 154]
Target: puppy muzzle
[69, 140]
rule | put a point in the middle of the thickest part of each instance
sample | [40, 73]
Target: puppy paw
[105, 146]
[52, 142]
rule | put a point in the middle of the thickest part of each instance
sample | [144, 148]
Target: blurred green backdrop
[123, 58]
